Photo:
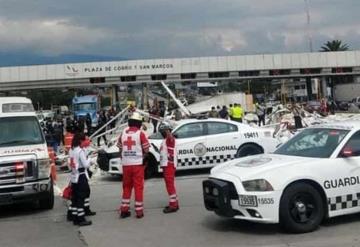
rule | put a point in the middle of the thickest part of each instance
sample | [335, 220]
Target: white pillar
[324, 91]
[114, 97]
[145, 96]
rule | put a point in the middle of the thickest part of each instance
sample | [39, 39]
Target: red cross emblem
[129, 143]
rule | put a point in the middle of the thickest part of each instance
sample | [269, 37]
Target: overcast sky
[174, 28]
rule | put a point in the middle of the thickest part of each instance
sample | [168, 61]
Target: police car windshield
[313, 143]
[17, 131]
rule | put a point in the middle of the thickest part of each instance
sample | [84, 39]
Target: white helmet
[165, 126]
[136, 116]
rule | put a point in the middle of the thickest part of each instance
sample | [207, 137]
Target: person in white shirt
[79, 181]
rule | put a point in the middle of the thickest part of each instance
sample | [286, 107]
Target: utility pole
[307, 9]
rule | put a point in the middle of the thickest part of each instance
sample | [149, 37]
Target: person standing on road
[297, 118]
[324, 107]
[134, 147]
[231, 111]
[57, 136]
[79, 182]
[242, 112]
[332, 107]
[68, 138]
[218, 108]
[101, 123]
[154, 111]
[213, 113]
[168, 164]
[237, 113]
[260, 112]
[85, 146]
[88, 123]
[223, 113]
[112, 115]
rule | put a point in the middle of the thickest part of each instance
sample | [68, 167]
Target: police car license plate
[247, 201]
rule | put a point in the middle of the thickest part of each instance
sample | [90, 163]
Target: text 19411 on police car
[251, 135]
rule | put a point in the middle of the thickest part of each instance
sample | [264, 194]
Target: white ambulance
[24, 158]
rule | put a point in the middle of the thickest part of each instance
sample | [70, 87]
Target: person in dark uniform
[101, 122]
[297, 117]
[224, 113]
[88, 123]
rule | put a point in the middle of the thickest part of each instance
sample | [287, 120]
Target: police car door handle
[235, 137]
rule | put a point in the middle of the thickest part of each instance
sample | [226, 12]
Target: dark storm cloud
[159, 28]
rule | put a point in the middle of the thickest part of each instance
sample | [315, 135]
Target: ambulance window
[17, 131]
[190, 130]
[352, 146]
[218, 128]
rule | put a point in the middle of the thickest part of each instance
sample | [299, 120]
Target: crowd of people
[55, 130]
[133, 148]
[157, 110]
[236, 112]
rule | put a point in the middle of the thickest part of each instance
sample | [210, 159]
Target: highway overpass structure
[322, 65]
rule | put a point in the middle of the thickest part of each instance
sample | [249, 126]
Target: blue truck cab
[82, 105]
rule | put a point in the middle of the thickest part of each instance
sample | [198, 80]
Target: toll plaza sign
[86, 69]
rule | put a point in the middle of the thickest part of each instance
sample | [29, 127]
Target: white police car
[315, 175]
[201, 143]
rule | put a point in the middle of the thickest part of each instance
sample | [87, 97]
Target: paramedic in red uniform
[168, 164]
[134, 147]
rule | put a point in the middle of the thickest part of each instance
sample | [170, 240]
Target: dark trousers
[261, 119]
[99, 138]
[155, 122]
[298, 123]
[80, 198]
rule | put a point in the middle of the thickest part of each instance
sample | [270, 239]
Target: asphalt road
[192, 225]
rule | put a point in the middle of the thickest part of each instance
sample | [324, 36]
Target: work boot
[69, 216]
[168, 209]
[84, 223]
[124, 215]
[139, 215]
[90, 213]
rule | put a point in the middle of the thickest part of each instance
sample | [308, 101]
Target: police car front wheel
[301, 208]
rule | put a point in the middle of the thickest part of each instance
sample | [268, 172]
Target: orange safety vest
[68, 140]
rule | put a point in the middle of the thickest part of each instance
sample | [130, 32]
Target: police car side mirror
[346, 153]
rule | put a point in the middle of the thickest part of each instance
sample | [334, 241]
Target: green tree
[334, 45]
